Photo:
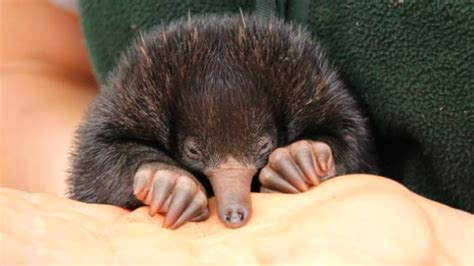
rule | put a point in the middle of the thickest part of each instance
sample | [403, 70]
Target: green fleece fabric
[410, 63]
[110, 25]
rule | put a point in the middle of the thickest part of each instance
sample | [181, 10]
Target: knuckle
[187, 189]
[146, 167]
[202, 215]
[186, 185]
[201, 199]
[164, 176]
[154, 167]
[264, 176]
[205, 213]
[301, 145]
[278, 155]
[322, 147]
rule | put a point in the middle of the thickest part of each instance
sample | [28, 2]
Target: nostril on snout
[235, 215]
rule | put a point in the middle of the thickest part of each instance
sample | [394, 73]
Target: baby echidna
[217, 100]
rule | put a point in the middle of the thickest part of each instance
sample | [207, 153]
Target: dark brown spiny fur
[224, 82]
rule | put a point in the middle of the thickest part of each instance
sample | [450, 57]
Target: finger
[163, 185]
[323, 156]
[331, 170]
[281, 162]
[164, 208]
[201, 216]
[198, 203]
[141, 183]
[182, 196]
[271, 179]
[302, 154]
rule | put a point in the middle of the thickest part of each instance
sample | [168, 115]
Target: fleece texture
[110, 25]
[410, 63]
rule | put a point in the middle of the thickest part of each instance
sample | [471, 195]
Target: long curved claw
[298, 166]
[169, 192]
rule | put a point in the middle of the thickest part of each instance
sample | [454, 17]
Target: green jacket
[410, 63]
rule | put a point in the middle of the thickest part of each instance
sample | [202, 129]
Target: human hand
[354, 219]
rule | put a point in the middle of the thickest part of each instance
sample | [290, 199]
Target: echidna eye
[266, 145]
[191, 149]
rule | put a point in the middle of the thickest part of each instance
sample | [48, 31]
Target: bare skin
[45, 87]
[356, 220]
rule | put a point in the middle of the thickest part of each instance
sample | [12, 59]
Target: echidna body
[211, 99]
